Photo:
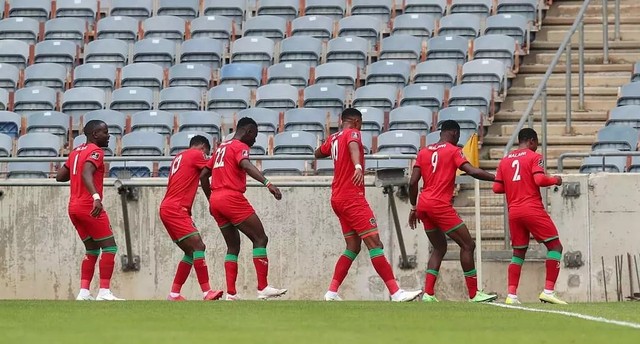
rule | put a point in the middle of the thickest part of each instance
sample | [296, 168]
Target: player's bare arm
[87, 179]
[477, 173]
[204, 182]
[358, 174]
[416, 175]
[254, 173]
[63, 175]
[319, 155]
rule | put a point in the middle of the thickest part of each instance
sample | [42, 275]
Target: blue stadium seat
[10, 123]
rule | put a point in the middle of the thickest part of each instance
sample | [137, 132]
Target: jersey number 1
[334, 150]
[516, 176]
[219, 162]
[176, 164]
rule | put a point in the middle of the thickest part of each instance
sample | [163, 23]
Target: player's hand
[275, 192]
[413, 219]
[358, 177]
[97, 208]
[558, 180]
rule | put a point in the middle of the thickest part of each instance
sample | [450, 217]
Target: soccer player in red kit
[350, 205]
[437, 165]
[228, 169]
[520, 176]
[85, 169]
[175, 213]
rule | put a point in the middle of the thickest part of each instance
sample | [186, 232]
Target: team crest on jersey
[245, 153]
[354, 134]
[95, 155]
[540, 163]
[372, 221]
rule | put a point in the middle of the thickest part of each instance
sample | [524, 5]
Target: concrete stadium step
[592, 33]
[559, 91]
[590, 57]
[514, 117]
[614, 79]
[555, 129]
[551, 21]
[553, 140]
[558, 103]
[628, 8]
[553, 152]
[552, 46]
[530, 68]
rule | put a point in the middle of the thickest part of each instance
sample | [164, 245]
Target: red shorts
[356, 217]
[440, 217]
[178, 222]
[89, 227]
[538, 224]
[229, 207]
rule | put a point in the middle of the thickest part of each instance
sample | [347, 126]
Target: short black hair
[350, 113]
[450, 125]
[527, 134]
[92, 126]
[246, 121]
[200, 140]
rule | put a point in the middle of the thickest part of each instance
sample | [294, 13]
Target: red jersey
[184, 179]
[439, 164]
[226, 172]
[85, 153]
[337, 146]
[516, 172]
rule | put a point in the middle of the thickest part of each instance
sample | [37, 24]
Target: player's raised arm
[204, 181]
[324, 150]
[540, 177]
[63, 174]
[254, 173]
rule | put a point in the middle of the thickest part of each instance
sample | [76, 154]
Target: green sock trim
[517, 260]
[555, 255]
[187, 259]
[198, 255]
[110, 249]
[470, 273]
[376, 252]
[230, 258]
[94, 252]
[259, 252]
[432, 272]
[350, 254]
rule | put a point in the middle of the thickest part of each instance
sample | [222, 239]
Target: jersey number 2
[516, 176]
[220, 157]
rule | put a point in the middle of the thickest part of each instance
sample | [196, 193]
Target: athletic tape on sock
[259, 252]
[230, 258]
[110, 249]
[350, 254]
[376, 252]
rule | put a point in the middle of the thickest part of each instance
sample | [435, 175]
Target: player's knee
[554, 245]
[440, 251]
[261, 241]
[469, 245]
[199, 246]
[520, 252]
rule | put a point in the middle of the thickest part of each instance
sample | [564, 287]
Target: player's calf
[513, 273]
[552, 266]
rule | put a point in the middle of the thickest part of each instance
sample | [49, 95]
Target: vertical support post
[478, 233]
[617, 21]
[605, 32]
[581, 68]
[543, 133]
[567, 128]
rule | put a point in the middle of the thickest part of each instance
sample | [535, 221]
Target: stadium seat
[334, 9]
[354, 50]
[283, 167]
[512, 25]
[39, 10]
[372, 120]
[460, 24]
[28, 170]
[131, 99]
[468, 118]
[634, 167]
[472, 95]
[625, 115]
[155, 50]
[401, 47]
[380, 96]
[268, 120]
[308, 120]
[10, 123]
[228, 99]
[110, 150]
[316, 26]
[399, 142]
[629, 94]
[38, 144]
[481, 8]
[413, 118]
[185, 9]
[380, 9]
[143, 143]
[232, 9]
[180, 141]
[13, 52]
[52, 122]
[485, 72]
[213, 27]
[160, 122]
[324, 167]
[367, 141]
[115, 120]
[496, 47]
[4, 99]
[6, 145]
[595, 164]
[98, 75]
[618, 137]
[526, 8]
[78, 101]
[257, 50]
[143, 74]
[271, 27]
[415, 24]
[244, 74]
[138, 9]
[429, 96]
[31, 99]
[303, 49]
[395, 73]
[20, 29]
[287, 9]
[327, 97]
[83, 9]
[130, 169]
[180, 99]
[9, 76]
[337, 73]
[295, 142]
[293, 73]
[452, 48]
[190, 74]
[68, 29]
[51, 75]
[434, 137]
[436, 8]
[118, 27]
[363, 26]
[635, 76]
[60, 52]
[206, 51]
[200, 121]
[279, 97]
[167, 27]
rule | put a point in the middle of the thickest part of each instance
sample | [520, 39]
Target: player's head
[528, 138]
[246, 131]
[352, 118]
[200, 142]
[450, 131]
[97, 132]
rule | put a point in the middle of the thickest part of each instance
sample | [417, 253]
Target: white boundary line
[571, 314]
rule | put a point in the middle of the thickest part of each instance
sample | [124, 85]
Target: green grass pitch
[302, 322]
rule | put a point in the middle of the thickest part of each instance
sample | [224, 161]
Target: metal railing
[602, 154]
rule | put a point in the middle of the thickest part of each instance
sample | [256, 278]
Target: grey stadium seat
[629, 94]
[435, 8]
[190, 74]
[245, 74]
[6, 145]
[110, 51]
[429, 96]
[131, 99]
[394, 73]
[79, 100]
[415, 24]
[287, 9]
[526, 8]
[335, 9]
[39, 10]
[378, 96]
[363, 26]
[268, 120]
[63, 53]
[283, 167]
[116, 121]
[180, 99]
[452, 48]
[130, 169]
[83, 9]
[28, 170]
[138, 9]
[412, 118]
[52, 122]
[441, 72]
[160, 122]
[31, 99]
[143, 74]
[512, 25]
[399, 142]
[168, 27]
[595, 164]
[472, 95]
[67, 29]
[261, 146]
[258, 50]
[271, 27]
[307, 50]
[14, 52]
[401, 47]
[353, 50]
[279, 97]
[380, 9]
[51, 75]
[468, 118]
[635, 76]
[327, 97]
[21, 29]
[185, 9]
[38, 144]
[620, 137]
[10, 123]
[481, 8]
[434, 137]
[495, 47]
[9, 76]
[228, 99]
[460, 24]
[204, 121]
[324, 167]
[316, 26]
[625, 115]
[118, 27]
[306, 119]
[217, 27]
[110, 150]
[206, 51]
[486, 72]
[155, 50]
[233, 9]
[337, 73]
[143, 143]
[293, 73]
[294, 142]
[180, 141]
[372, 120]
[4, 99]
[98, 75]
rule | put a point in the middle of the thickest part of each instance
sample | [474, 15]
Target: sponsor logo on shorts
[372, 221]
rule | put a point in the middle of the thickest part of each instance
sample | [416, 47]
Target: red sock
[342, 269]
[430, 282]
[553, 270]
[261, 262]
[182, 273]
[87, 268]
[383, 268]
[107, 261]
[513, 271]
[471, 279]
[202, 272]
[231, 272]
